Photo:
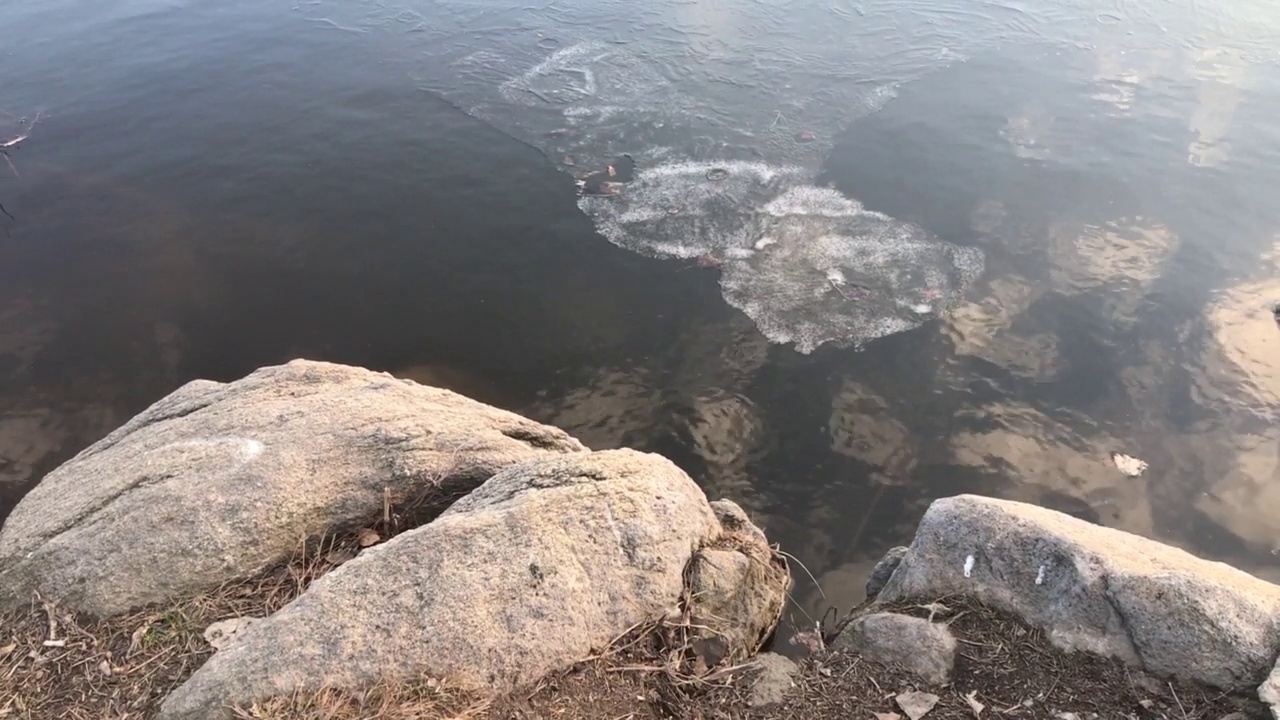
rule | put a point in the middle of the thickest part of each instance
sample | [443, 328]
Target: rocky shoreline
[344, 537]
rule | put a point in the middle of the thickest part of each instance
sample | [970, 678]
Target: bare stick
[14, 141]
[5, 155]
[838, 289]
[1175, 698]
[53, 620]
[6, 212]
[806, 572]
[386, 508]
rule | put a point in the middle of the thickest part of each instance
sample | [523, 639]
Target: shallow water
[212, 188]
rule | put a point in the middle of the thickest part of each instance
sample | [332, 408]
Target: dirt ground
[55, 665]
[1008, 669]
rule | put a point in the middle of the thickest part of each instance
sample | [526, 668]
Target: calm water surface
[212, 187]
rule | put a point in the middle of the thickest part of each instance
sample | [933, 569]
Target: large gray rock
[543, 564]
[219, 481]
[925, 648]
[1097, 589]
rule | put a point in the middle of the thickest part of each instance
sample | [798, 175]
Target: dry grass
[424, 700]
[1009, 668]
[54, 664]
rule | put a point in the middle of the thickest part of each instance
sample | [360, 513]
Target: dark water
[214, 187]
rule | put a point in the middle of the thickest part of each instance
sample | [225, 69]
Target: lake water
[213, 187]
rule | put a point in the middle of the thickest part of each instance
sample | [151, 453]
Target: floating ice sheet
[719, 179]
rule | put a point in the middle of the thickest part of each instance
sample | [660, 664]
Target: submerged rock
[540, 566]
[1097, 589]
[217, 481]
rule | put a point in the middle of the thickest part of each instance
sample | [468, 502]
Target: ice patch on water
[722, 176]
[833, 271]
[847, 281]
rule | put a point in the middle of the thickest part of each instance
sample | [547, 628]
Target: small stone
[883, 570]
[773, 678]
[925, 648]
[221, 633]
[369, 537]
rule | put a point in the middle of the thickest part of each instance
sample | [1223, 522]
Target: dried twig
[806, 571]
[838, 289]
[12, 144]
[1175, 699]
[386, 510]
[5, 155]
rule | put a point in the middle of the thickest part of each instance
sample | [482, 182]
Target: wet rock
[774, 677]
[925, 648]
[219, 481]
[545, 563]
[883, 570]
[1097, 589]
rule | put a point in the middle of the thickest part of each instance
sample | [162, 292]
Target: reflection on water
[1239, 365]
[985, 328]
[1220, 75]
[1069, 456]
[222, 188]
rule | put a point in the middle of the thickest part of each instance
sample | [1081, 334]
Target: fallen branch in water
[7, 146]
